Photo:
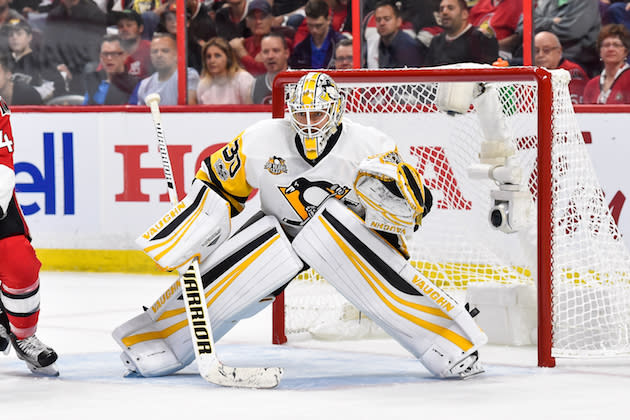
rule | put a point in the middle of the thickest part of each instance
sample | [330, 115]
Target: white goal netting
[577, 247]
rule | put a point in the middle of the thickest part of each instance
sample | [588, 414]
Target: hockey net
[569, 252]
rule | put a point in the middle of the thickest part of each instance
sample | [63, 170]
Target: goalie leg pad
[239, 279]
[375, 278]
[195, 227]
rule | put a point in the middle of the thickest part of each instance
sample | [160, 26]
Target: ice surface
[372, 379]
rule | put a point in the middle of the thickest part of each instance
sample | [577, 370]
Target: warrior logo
[276, 165]
[306, 196]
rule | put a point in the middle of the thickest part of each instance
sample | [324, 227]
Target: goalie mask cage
[571, 252]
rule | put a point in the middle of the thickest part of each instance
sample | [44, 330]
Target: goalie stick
[210, 368]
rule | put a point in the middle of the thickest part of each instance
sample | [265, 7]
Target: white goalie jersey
[266, 156]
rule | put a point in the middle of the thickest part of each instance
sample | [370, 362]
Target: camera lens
[496, 217]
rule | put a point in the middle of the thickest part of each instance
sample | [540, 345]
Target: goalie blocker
[194, 227]
[380, 282]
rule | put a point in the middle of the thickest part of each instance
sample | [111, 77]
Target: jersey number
[231, 157]
[5, 141]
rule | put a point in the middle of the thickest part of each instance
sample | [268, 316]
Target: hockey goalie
[335, 196]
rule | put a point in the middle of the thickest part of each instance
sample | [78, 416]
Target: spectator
[343, 55]
[460, 42]
[201, 26]
[549, 54]
[112, 85]
[72, 38]
[130, 26]
[275, 56]
[396, 48]
[576, 23]
[27, 65]
[340, 20]
[316, 50]
[409, 9]
[230, 20]
[168, 23]
[223, 81]
[498, 18]
[613, 85]
[15, 92]
[151, 12]
[6, 15]
[259, 20]
[164, 80]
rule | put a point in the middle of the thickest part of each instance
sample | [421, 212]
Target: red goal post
[528, 94]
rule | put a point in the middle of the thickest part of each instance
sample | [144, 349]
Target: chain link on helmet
[315, 92]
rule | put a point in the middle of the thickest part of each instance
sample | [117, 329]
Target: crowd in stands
[113, 52]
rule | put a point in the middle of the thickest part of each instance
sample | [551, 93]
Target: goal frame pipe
[544, 125]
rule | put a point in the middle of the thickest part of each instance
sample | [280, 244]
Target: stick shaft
[166, 161]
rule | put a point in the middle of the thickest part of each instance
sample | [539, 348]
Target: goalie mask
[316, 107]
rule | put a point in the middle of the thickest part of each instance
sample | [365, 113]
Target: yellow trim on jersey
[234, 203]
[202, 175]
[231, 159]
[162, 334]
[372, 278]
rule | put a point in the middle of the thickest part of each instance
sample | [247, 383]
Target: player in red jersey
[19, 268]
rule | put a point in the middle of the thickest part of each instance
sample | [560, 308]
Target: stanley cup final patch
[276, 165]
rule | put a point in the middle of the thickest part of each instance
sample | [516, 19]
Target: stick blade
[212, 370]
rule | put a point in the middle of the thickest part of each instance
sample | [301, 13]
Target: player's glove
[392, 193]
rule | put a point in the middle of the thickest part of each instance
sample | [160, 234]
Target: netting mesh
[456, 246]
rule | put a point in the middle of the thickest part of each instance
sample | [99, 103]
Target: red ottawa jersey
[13, 223]
[619, 91]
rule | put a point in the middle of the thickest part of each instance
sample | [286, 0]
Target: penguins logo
[306, 196]
[276, 165]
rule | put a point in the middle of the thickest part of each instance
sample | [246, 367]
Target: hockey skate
[39, 358]
[4, 333]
